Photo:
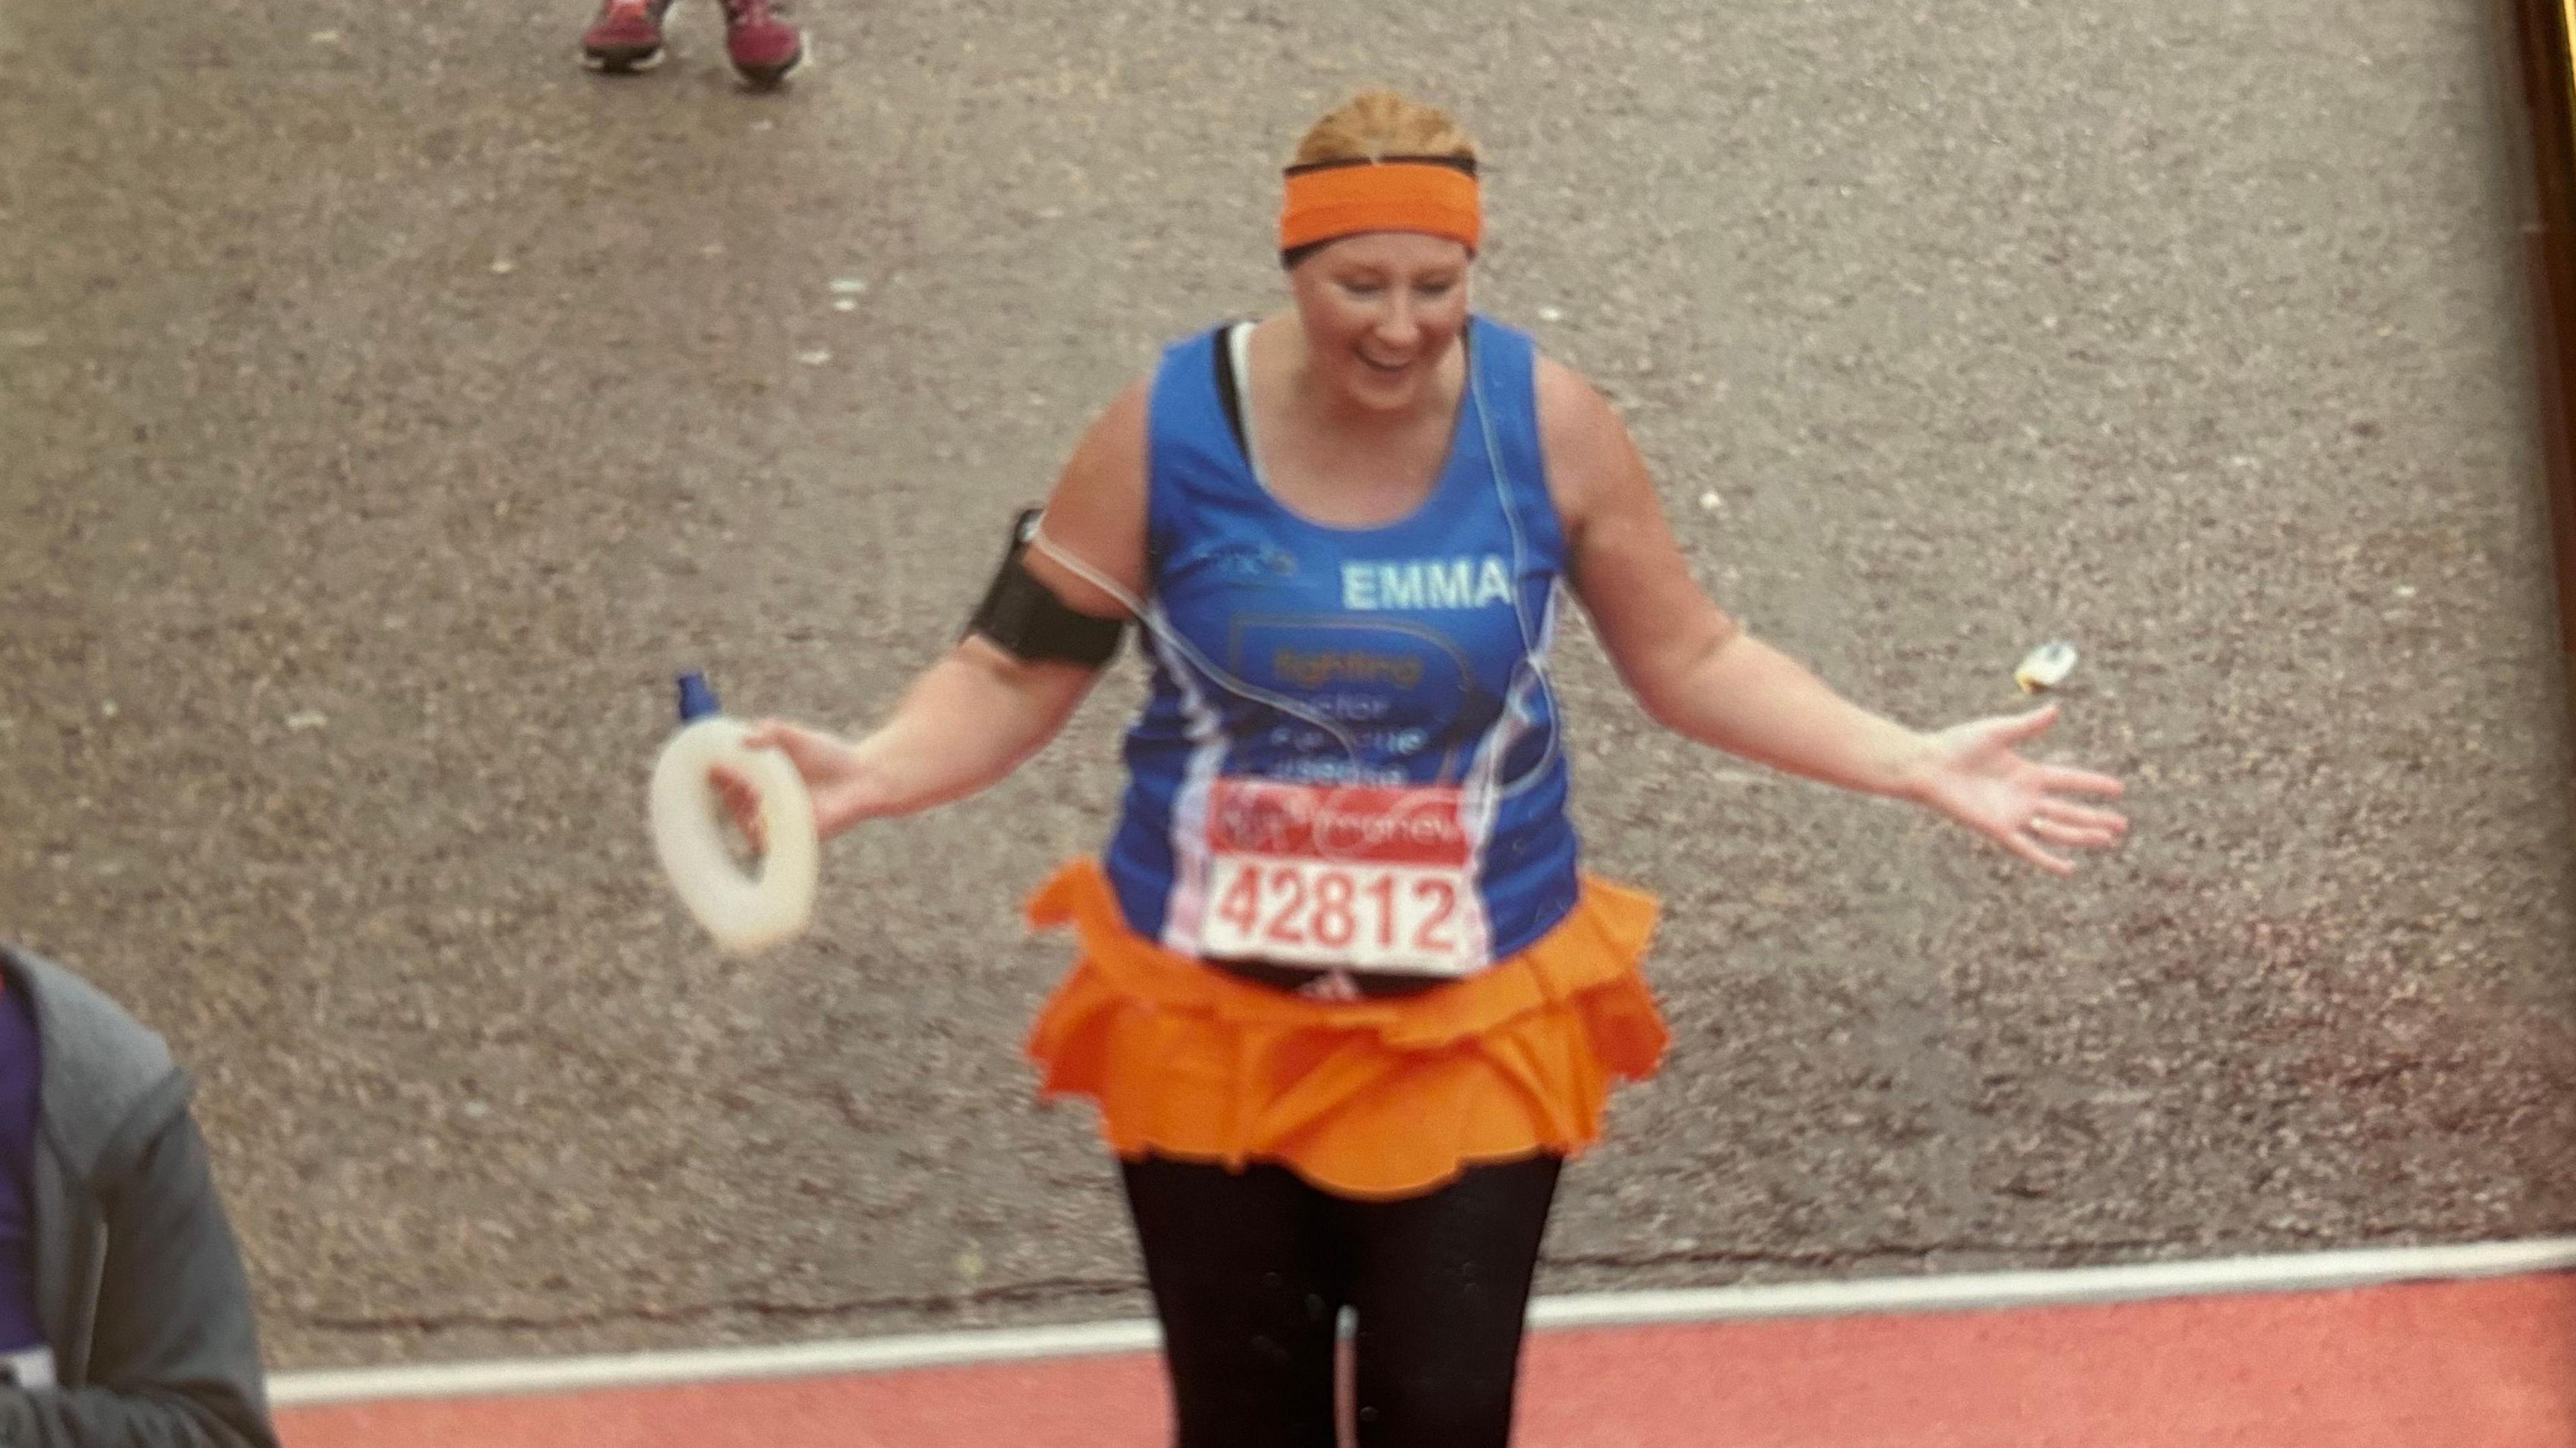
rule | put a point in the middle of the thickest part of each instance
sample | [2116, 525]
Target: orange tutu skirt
[1370, 1098]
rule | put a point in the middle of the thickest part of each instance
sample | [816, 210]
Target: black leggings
[1250, 1272]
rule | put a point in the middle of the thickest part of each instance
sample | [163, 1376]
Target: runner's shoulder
[1579, 433]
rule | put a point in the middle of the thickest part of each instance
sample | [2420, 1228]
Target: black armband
[1026, 618]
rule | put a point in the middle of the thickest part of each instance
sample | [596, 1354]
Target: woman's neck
[1313, 392]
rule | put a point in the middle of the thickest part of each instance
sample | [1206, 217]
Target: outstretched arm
[965, 723]
[980, 711]
[1698, 673]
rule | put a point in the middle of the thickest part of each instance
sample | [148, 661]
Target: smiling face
[1379, 311]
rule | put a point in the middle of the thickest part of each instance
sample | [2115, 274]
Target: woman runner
[1345, 1001]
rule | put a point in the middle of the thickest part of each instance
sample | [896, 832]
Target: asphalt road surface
[388, 408]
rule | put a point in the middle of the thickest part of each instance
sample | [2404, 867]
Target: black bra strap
[1227, 393]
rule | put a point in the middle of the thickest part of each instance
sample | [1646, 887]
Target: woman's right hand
[834, 780]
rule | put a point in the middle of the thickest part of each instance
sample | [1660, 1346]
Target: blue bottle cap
[697, 701]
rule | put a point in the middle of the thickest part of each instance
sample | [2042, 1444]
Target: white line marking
[2305, 1271]
[710, 1365]
[1940, 1292]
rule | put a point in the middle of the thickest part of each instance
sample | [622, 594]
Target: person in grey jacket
[125, 1315]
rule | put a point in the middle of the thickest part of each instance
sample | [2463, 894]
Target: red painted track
[2489, 1364]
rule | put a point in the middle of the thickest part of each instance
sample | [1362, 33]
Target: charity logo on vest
[1426, 583]
[1252, 562]
[1314, 668]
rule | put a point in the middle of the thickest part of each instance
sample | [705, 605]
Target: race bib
[1363, 877]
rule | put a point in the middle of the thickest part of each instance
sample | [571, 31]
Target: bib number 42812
[1369, 877]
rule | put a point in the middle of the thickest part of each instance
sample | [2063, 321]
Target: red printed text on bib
[1366, 877]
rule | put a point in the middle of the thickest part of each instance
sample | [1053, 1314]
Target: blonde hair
[1379, 123]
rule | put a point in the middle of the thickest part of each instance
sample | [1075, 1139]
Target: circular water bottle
[744, 911]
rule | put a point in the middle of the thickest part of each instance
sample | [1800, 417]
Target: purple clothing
[19, 1068]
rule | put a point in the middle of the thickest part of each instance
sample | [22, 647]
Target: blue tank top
[1358, 717]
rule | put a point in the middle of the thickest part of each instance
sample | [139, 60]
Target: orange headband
[1337, 201]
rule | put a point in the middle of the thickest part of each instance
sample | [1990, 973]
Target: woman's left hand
[1971, 773]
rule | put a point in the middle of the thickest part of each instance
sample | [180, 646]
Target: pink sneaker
[626, 35]
[762, 41]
